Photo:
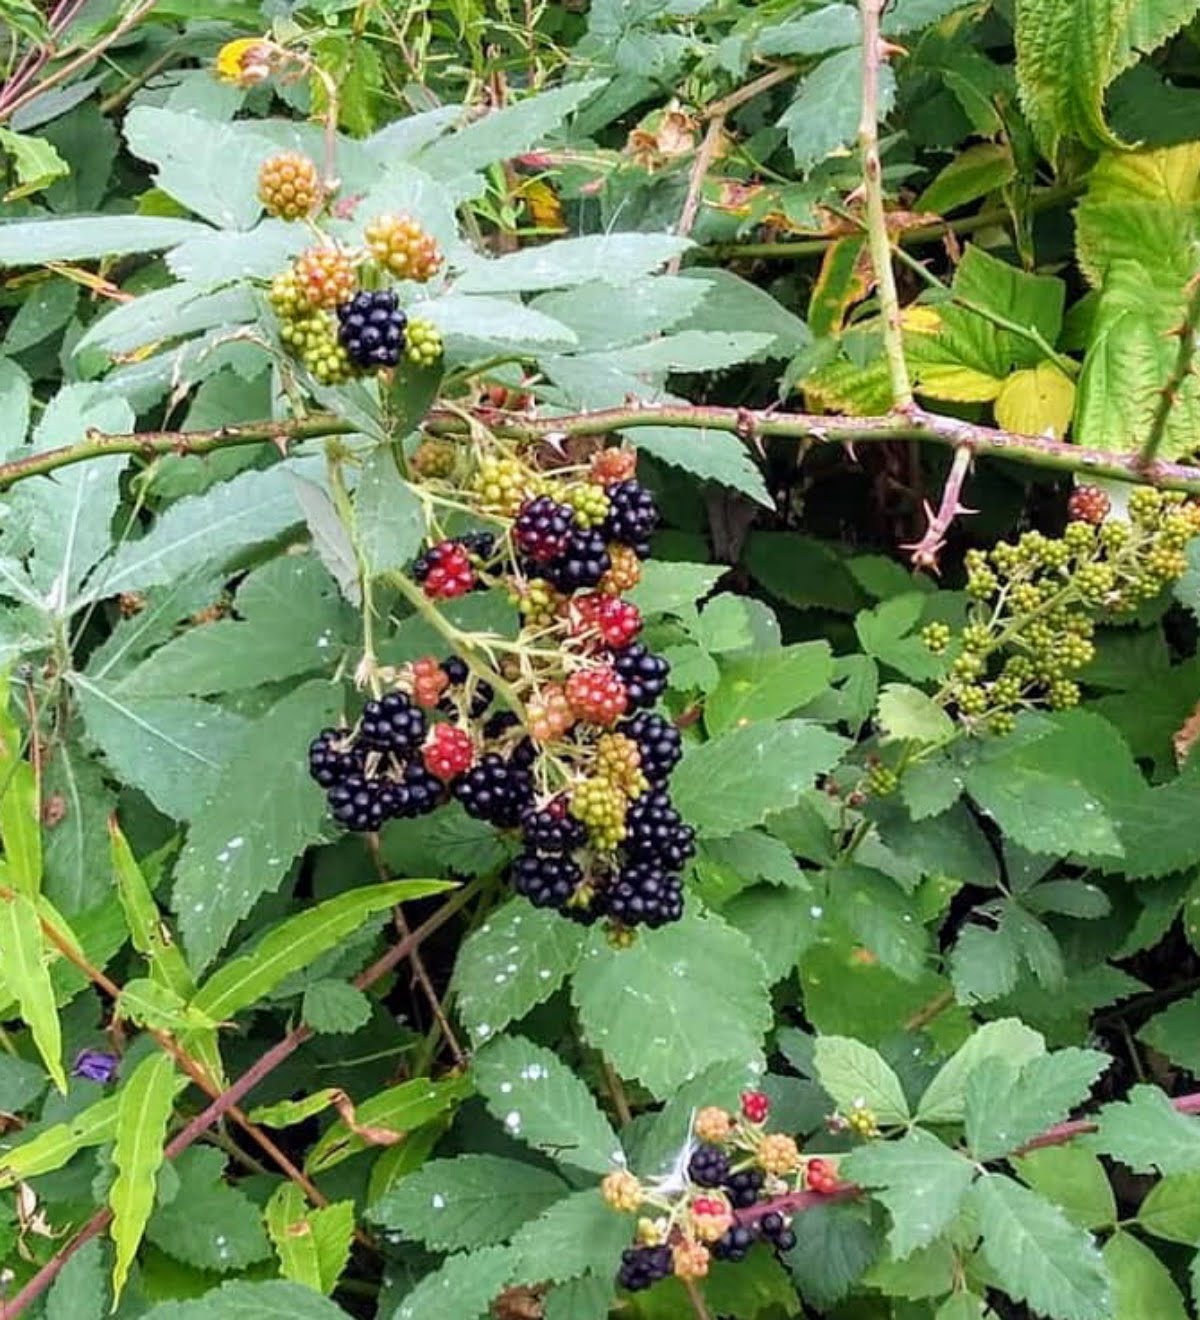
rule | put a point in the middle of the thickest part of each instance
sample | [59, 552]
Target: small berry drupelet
[401, 246]
[371, 329]
[445, 570]
[448, 752]
[289, 186]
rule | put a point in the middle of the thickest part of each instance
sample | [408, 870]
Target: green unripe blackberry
[422, 343]
[936, 637]
[1063, 694]
[976, 637]
[313, 340]
[971, 700]
[1001, 723]
[882, 781]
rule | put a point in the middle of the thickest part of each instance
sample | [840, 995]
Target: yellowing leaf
[544, 205]
[921, 320]
[1037, 401]
[958, 384]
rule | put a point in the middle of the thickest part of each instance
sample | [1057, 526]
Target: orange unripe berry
[691, 1259]
[325, 276]
[711, 1217]
[610, 466]
[713, 1125]
[778, 1155]
[399, 244]
[289, 186]
[622, 1191]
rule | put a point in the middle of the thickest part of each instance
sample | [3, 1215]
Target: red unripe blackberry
[448, 752]
[821, 1176]
[755, 1106]
[1088, 504]
[597, 695]
[609, 467]
[445, 570]
[429, 681]
[617, 621]
[289, 186]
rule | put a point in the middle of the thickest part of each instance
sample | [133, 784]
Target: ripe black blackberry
[775, 1229]
[524, 754]
[456, 670]
[643, 673]
[644, 894]
[642, 1267]
[371, 328]
[654, 831]
[330, 760]
[583, 562]
[743, 1187]
[658, 741]
[632, 517]
[425, 790]
[552, 831]
[734, 1244]
[482, 696]
[547, 882]
[709, 1166]
[495, 791]
[392, 724]
[542, 529]
[356, 803]
[482, 545]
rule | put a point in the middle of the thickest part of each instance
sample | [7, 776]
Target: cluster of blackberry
[727, 1203]
[585, 777]
[638, 882]
[396, 763]
[333, 325]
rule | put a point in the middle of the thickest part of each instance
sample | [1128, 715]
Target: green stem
[810, 428]
[1175, 382]
[878, 240]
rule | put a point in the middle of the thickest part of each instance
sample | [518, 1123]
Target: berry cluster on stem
[738, 1182]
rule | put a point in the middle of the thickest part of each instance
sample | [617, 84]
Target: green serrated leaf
[517, 959]
[335, 1007]
[298, 941]
[1074, 1179]
[1148, 1133]
[835, 1245]
[768, 685]
[921, 1182]
[1141, 1284]
[823, 118]
[152, 1004]
[579, 1235]
[945, 1097]
[761, 769]
[1006, 1104]
[854, 1074]
[144, 1106]
[905, 712]
[208, 1224]
[389, 523]
[1171, 1209]
[81, 1290]
[470, 1201]
[313, 1245]
[542, 1102]
[708, 992]
[275, 1300]
[462, 1289]
[1067, 53]
[1042, 1257]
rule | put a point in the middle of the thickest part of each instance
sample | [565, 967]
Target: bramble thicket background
[599, 618]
